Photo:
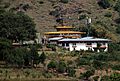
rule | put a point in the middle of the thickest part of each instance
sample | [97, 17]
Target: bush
[62, 67]
[96, 78]
[104, 3]
[26, 6]
[42, 58]
[114, 47]
[83, 61]
[116, 67]
[117, 6]
[88, 73]
[52, 64]
[71, 72]
[64, 1]
[82, 17]
[118, 29]
[108, 14]
[52, 46]
[47, 75]
[101, 56]
[6, 5]
[99, 64]
[40, 2]
[54, 13]
[113, 77]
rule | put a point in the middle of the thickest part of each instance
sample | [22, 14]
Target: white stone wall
[84, 46]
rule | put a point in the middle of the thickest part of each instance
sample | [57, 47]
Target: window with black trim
[67, 44]
[74, 44]
[89, 43]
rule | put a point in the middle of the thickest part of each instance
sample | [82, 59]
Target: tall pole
[88, 22]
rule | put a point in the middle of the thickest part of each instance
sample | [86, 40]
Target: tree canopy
[16, 26]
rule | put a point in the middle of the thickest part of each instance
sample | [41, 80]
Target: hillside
[46, 14]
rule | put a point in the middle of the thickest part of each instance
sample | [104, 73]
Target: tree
[62, 67]
[5, 46]
[71, 72]
[117, 6]
[16, 26]
[16, 57]
[64, 1]
[104, 3]
[87, 74]
[42, 58]
[34, 56]
[52, 64]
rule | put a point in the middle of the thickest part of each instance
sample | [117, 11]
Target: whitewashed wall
[83, 46]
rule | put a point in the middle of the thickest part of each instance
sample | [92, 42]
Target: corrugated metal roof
[85, 39]
[55, 38]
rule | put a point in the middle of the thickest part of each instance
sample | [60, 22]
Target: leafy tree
[62, 67]
[52, 64]
[34, 56]
[42, 58]
[5, 46]
[112, 77]
[71, 72]
[22, 56]
[117, 6]
[118, 29]
[16, 57]
[87, 74]
[16, 26]
[114, 47]
[64, 1]
[104, 3]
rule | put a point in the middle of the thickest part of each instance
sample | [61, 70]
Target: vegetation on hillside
[17, 25]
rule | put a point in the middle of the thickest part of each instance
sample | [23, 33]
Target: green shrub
[6, 5]
[117, 6]
[88, 73]
[27, 72]
[83, 61]
[74, 53]
[82, 17]
[101, 56]
[47, 75]
[40, 2]
[62, 67]
[34, 75]
[42, 58]
[113, 77]
[52, 46]
[108, 14]
[99, 64]
[114, 47]
[71, 71]
[96, 78]
[116, 67]
[64, 1]
[104, 3]
[52, 64]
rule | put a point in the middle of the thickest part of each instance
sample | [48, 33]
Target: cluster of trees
[104, 3]
[61, 67]
[112, 77]
[23, 57]
[17, 27]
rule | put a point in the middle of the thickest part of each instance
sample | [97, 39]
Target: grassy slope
[45, 22]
